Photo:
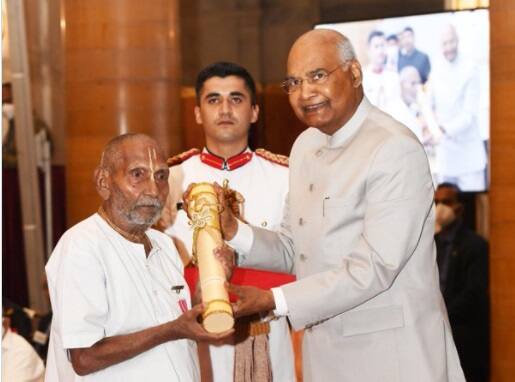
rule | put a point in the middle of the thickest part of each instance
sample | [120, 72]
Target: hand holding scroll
[225, 255]
[187, 326]
[230, 200]
[251, 300]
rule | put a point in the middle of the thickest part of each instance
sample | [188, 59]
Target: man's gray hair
[346, 49]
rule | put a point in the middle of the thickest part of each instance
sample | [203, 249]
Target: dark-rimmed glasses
[315, 77]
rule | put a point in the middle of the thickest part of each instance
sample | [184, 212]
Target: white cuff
[242, 241]
[281, 309]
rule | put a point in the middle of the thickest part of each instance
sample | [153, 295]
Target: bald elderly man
[121, 305]
[358, 233]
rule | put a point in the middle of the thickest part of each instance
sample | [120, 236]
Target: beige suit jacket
[358, 234]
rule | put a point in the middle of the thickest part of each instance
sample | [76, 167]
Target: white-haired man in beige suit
[358, 233]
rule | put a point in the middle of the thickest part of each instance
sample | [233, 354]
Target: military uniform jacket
[358, 233]
[262, 183]
[262, 179]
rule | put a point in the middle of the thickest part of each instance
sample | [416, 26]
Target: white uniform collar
[344, 133]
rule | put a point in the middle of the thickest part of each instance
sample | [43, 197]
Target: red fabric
[245, 276]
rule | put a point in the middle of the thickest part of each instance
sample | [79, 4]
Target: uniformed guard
[226, 108]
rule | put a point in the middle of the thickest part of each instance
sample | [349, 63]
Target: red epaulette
[274, 158]
[179, 158]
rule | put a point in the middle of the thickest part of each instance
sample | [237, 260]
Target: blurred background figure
[381, 86]
[392, 52]
[8, 139]
[460, 154]
[409, 55]
[20, 362]
[462, 257]
[407, 109]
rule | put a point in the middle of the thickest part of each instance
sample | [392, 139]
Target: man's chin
[145, 219]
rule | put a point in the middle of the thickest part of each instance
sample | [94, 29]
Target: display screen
[431, 72]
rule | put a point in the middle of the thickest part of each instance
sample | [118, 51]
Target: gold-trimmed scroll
[204, 209]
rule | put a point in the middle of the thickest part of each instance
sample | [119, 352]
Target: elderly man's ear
[102, 182]
[355, 70]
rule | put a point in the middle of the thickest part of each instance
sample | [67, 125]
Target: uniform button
[302, 257]
[264, 224]
[301, 221]
[318, 153]
[311, 186]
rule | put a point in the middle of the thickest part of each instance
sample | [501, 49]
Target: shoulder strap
[272, 157]
[179, 158]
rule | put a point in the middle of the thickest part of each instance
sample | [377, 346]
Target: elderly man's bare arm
[112, 350]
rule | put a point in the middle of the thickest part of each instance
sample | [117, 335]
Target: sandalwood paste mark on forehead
[152, 159]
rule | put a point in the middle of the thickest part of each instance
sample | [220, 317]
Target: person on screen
[380, 84]
[392, 52]
[407, 109]
[454, 84]
[358, 231]
[462, 258]
[412, 110]
[410, 55]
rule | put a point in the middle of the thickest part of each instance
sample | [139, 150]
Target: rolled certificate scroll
[203, 209]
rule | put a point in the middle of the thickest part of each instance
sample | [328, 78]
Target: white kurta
[264, 185]
[455, 90]
[359, 231]
[102, 285]
[20, 362]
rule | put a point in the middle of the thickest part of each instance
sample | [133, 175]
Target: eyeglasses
[315, 77]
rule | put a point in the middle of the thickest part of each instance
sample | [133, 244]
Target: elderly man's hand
[188, 326]
[251, 300]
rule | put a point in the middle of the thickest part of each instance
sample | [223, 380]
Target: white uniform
[264, 185]
[102, 285]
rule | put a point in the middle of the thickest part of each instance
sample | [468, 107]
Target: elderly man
[358, 233]
[121, 305]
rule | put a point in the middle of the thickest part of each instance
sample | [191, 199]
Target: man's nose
[306, 90]
[151, 186]
[225, 107]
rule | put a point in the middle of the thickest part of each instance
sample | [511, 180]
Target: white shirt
[264, 185]
[102, 285]
[20, 362]
[383, 88]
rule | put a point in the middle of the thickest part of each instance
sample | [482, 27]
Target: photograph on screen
[431, 72]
